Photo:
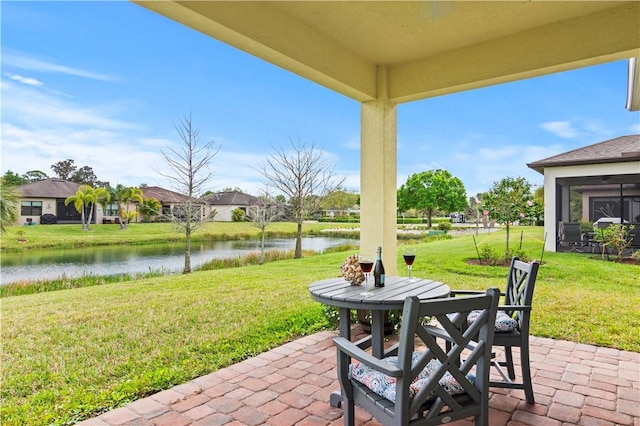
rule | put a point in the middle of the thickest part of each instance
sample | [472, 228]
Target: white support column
[550, 219]
[378, 175]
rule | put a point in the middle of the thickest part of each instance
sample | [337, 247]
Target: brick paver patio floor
[574, 384]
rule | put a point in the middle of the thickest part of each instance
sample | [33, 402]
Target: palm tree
[150, 207]
[8, 205]
[102, 197]
[126, 196]
[83, 198]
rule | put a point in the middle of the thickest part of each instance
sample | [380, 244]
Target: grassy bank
[71, 354]
[68, 236]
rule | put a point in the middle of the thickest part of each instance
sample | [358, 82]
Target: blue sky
[103, 83]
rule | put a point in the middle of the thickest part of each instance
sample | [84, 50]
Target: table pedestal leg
[377, 333]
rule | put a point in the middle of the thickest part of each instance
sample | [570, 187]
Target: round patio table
[341, 294]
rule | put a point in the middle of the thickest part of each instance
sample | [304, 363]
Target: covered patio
[382, 54]
[385, 53]
[574, 384]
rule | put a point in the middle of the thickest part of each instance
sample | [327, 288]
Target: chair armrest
[469, 292]
[348, 348]
[523, 308]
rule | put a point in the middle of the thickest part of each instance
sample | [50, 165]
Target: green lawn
[71, 354]
[66, 236]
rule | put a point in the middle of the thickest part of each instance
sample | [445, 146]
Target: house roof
[618, 150]
[48, 188]
[231, 198]
[165, 195]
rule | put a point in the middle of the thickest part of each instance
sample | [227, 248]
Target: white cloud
[113, 156]
[25, 62]
[26, 105]
[24, 80]
[39, 129]
[561, 129]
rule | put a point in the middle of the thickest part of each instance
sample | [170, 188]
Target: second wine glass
[409, 256]
[366, 264]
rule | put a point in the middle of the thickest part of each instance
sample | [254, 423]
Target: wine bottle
[378, 270]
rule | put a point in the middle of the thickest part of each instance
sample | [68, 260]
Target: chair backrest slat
[520, 285]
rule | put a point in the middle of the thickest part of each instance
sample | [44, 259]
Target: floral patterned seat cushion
[504, 323]
[385, 386]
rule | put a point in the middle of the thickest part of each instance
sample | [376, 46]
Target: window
[111, 210]
[31, 208]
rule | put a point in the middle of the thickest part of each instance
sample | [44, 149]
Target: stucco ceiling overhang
[425, 48]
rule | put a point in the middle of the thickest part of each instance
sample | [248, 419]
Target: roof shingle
[48, 188]
[618, 150]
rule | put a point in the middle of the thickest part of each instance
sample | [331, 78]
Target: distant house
[46, 198]
[171, 201]
[224, 203]
[43, 202]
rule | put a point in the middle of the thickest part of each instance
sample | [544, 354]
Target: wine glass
[366, 264]
[409, 256]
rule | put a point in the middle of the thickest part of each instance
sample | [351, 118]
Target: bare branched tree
[265, 211]
[190, 173]
[306, 175]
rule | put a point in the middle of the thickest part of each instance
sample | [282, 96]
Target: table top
[338, 292]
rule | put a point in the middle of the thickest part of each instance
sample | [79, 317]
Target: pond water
[109, 260]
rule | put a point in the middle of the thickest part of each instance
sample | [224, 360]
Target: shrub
[586, 226]
[238, 215]
[616, 238]
[520, 254]
[487, 253]
[444, 226]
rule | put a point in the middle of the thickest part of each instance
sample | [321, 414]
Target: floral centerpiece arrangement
[351, 270]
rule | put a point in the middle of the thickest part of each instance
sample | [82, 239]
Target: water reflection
[108, 260]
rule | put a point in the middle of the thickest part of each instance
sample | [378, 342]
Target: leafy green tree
[13, 179]
[340, 200]
[8, 205]
[432, 190]
[535, 210]
[507, 202]
[538, 195]
[35, 176]
[85, 175]
[64, 169]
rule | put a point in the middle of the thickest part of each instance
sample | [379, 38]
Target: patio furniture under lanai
[570, 235]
